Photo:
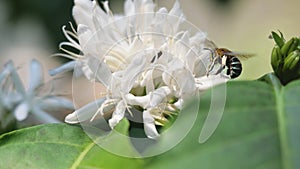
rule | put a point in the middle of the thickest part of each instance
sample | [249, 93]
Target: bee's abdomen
[234, 67]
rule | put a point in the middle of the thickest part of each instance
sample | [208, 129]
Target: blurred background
[32, 29]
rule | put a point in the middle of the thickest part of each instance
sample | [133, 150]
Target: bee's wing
[242, 56]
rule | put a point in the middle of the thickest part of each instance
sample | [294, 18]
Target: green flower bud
[277, 58]
[287, 47]
[294, 46]
[291, 68]
[291, 62]
[285, 58]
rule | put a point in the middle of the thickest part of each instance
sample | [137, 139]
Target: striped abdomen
[234, 66]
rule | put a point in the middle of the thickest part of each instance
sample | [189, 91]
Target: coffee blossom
[148, 61]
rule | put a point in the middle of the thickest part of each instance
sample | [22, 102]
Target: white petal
[147, 6]
[10, 100]
[87, 40]
[175, 18]
[149, 125]
[63, 68]
[176, 10]
[16, 78]
[118, 114]
[206, 82]
[200, 68]
[82, 12]
[198, 39]
[186, 83]
[142, 101]
[56, 104]
[169, 75]
[179, 104]
[192, 60]
[159, 95]
[44, 116]
[100, 18]
[97, 70]
[21, 112]
[144, 10]
[148, 81]
[182, 46]
[106, 6]
[179, 79]
[132, 71]
[84, 113]
[115, 85]
[36, 75]
[6, 71]
[129, 7]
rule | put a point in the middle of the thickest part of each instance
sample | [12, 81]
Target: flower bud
[277, 59]
[285, 58]
[287, 47]
[291, 62]
[294, 45]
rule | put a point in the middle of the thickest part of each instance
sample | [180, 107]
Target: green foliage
[259, 130]
[59, 146]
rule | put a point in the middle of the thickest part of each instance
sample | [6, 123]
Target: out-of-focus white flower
[17, 100]
[146, 60]
[7, 119]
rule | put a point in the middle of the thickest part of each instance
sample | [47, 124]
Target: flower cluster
[148, 61]
[285, 58]
[16, 102]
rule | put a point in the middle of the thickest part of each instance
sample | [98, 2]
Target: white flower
[146, 60]
[16, 99]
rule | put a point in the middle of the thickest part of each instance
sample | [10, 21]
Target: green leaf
[60, 146]
[259, 130]
[289, 124]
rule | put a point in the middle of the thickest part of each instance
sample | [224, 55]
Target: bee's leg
[222, 67]
[211, 66]
[213, 59]
[223, 62]
[225, 76]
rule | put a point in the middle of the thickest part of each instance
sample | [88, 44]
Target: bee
[228, 59]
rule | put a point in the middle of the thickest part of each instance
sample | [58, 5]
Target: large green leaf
[60, 146]
[258, 130]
